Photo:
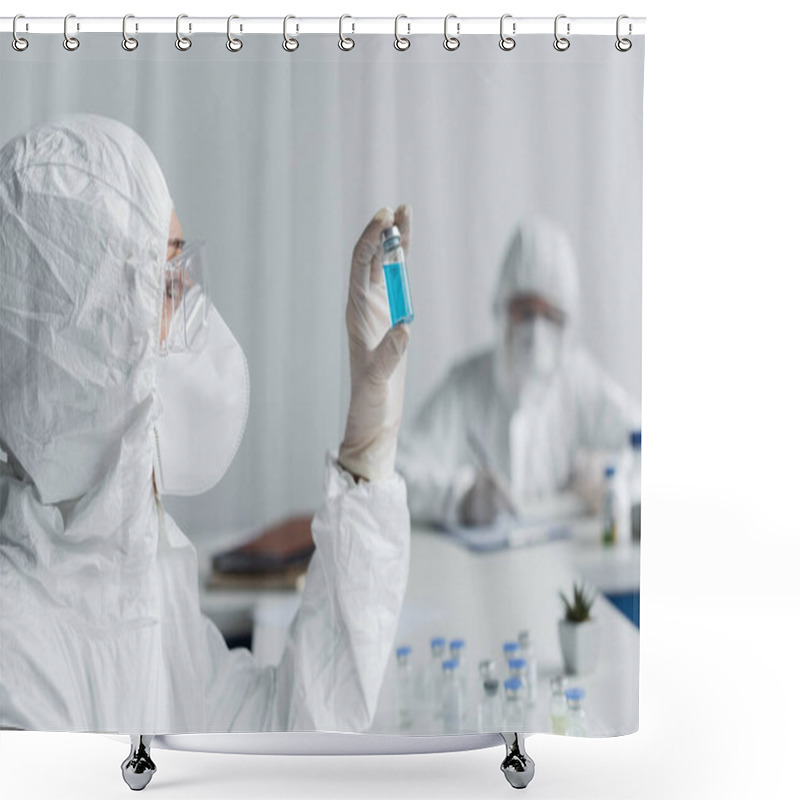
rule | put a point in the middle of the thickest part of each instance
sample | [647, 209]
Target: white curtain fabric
[278, 161]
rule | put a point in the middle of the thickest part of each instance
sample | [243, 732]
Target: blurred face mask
[534, 349]
[202, 380]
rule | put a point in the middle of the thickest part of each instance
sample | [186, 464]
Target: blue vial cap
[457, 644]
[438, 641]
[610, 471]
[575, 693]
[451, 664]
[403, 650]
[512, 683]
[517, 663]
[510, 647]
[636, 440]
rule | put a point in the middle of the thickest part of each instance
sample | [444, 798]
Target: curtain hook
[507, 42]
[561, 43]
[290, 44]
[181, 42]
[346, 42]
[233, 44]
[70, 42]
[623, 45]
[401, 42]
[451, 42]
[18, 43]
[129, 43]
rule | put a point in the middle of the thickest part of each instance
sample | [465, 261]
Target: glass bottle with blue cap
[515, 705]
[404, 687]
[576, 716]
[433, 688]
[452, 697]
[396, 277]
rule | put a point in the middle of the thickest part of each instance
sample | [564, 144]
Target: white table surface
[486, 599]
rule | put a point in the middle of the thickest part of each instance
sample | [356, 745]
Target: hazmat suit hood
[85, 214]
[86, 606]
[539, 259]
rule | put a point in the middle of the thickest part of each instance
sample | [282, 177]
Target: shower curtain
[494, 585]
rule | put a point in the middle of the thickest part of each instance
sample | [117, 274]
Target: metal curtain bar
[604, 26]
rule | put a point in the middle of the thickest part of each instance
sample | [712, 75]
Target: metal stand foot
[138, 768]
[517, 766]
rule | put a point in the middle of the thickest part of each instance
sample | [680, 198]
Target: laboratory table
[486, 599]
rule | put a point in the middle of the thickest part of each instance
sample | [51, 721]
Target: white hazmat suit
[100, 624]
[530, 423]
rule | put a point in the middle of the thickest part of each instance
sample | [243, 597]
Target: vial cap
[575, 693]
[403, 650]
[438, 641]
[491, 685]
[486, 667]
[517, 663]
[457, 644]
[450, 664]
[510, 647]
[610, 471]
[512, 684]
[390, 237]
[636, 440]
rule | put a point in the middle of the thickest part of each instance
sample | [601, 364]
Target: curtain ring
[290, 44]
[401, 42]
[623, 45]
[70, 42]
[233, 44]
[346, 42]
[129, 43]
[561, 43]
[181, 42]
[507, 42]
[18, 43]
[451, 42]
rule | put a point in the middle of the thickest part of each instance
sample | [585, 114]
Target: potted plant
[578, 632]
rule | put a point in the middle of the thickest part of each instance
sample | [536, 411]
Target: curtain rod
[407, 26]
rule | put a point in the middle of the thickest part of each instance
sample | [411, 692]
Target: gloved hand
[482, 502]
[377, 363]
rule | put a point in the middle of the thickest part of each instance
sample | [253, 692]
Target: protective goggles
[185, 306]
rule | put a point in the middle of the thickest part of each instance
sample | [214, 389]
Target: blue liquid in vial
[400, 306]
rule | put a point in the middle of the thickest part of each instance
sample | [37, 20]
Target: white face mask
[534, 349]
[205, 397]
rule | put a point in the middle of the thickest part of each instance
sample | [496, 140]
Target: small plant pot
[580, 645]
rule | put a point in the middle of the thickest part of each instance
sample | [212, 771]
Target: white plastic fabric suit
[532, 431]
[100, 624]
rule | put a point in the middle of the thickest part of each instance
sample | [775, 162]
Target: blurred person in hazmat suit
[514, 428]
[120, 383]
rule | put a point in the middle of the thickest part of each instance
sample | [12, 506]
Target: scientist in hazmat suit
[121, 383]
[510, 428]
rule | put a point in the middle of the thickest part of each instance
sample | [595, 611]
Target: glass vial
[396, 277]
[490, 717]
[531, 672]
[610, 508]
[576, 716]
[404, 688]
[452, 699]
[515, 705]
[433, 687]
[558, 706]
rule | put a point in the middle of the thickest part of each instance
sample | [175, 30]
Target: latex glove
[377, 350]
[483, 502]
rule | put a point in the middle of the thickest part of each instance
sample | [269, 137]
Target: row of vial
[444, 690]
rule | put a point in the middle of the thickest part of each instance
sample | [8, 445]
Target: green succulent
[578, 610]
